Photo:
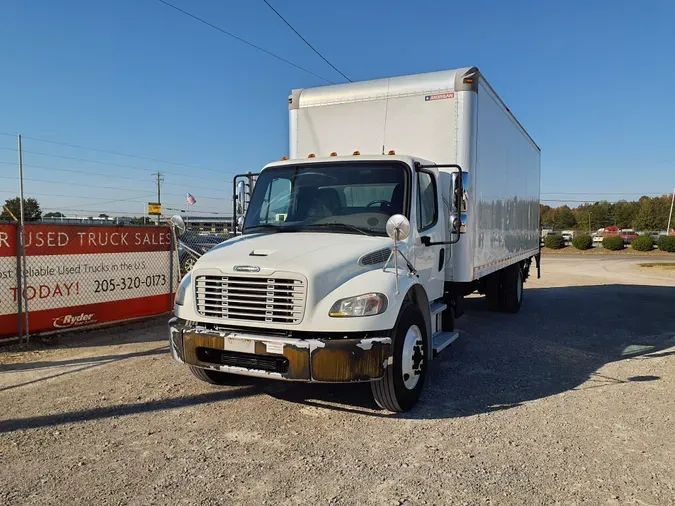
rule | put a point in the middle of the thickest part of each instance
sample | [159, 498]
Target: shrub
[667, 243]
[582, 242]
[554, 241]
[642, 243]
[613, 242]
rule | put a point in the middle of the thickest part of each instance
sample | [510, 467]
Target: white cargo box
[447, 117]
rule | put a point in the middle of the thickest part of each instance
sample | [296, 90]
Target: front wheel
[211, 376]
[401, 386]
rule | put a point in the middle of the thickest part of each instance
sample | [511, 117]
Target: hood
[325, 259]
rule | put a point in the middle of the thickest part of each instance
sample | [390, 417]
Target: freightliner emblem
[246, 268]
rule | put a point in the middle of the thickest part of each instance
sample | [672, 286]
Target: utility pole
[670, 216]
[589, 223]
[160, 178]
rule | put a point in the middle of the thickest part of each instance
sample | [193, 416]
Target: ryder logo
[70, 320]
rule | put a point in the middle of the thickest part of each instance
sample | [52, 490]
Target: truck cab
[311, 289]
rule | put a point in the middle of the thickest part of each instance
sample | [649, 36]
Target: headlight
[182, 289]
[368, 304]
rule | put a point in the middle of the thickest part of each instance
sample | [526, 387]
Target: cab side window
[427, 208]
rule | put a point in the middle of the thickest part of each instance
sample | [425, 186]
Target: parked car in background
[191, 246]
[628, 235]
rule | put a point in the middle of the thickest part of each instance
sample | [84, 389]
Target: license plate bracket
[239, 344]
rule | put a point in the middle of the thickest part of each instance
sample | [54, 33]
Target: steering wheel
[378, 202]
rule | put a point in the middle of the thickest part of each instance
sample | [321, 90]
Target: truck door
[429, 260]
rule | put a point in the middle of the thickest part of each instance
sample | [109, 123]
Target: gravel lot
[571, 401]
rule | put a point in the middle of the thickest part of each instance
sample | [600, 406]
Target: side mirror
[240, 223]
[398, 227]
[178, 223]
[241, 195]
[456, 194]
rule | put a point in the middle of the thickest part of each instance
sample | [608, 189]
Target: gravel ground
[570, 401]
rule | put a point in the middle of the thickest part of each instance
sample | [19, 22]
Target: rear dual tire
[504, 289]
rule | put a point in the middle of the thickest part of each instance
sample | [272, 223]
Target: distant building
[209, 224]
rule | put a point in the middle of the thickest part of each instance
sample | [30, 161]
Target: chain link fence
[80, 275]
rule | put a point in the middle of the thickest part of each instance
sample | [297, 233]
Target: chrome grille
[273, 300]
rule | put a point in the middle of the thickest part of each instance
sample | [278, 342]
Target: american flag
[191, 200]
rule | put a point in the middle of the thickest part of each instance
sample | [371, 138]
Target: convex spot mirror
[178, 223]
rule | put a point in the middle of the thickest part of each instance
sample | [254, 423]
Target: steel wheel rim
[412, 357]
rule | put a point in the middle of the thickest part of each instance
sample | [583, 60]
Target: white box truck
[400, 197]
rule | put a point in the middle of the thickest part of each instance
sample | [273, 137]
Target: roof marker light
[392, 152]
[311, 155]
[333, 153]
[284, 158]
[357, 153]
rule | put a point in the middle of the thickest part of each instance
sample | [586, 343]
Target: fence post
[22, 237]
[19, 301]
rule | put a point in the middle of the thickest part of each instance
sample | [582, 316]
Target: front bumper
[312, 359]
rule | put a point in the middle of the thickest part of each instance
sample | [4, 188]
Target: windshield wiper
[268, 226]
[338, 224]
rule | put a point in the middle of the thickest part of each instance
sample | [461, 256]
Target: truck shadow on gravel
[557, 343]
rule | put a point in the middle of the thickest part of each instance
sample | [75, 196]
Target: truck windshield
[330, 197]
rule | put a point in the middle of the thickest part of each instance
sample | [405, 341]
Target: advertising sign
[81, 275]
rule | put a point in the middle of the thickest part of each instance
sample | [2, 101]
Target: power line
[104, 187]
[244, 41]
[132, 199]
[305, 40]
[603, 193]
[117, 153]
[133, 167]
[78, 197]
[590, 201]
[112, 176]
[111, 212]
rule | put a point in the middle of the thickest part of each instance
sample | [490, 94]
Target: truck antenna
[386, 111]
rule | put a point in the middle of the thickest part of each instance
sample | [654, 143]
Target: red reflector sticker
[440, 96]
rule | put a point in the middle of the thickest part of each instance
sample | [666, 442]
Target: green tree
[55, 215]
[548, 218]
[624, 213]
[103, 216]
[564, 218]
[543, 209]
[652, 213]
[31, 209]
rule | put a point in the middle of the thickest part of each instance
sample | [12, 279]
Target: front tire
[211, 376]
[403, 380]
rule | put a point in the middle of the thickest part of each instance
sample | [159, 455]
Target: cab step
[442, 340]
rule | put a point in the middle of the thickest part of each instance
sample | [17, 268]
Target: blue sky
[589, 80]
